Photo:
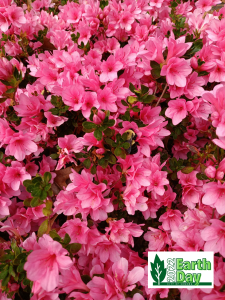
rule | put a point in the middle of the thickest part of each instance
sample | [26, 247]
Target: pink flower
[188, 240]
[177, 110]
[90, 100]
[109, 69]
[15, 15]
[215, 196]
[107, 99]
[157, 182]
[125, 280]
[70, 143]
[157, 239]
[214, 236]
[54, 121]
[77, 230]
[126, 20]
[176, 70]
[73, 96]
[70, 280]
[15, 175]
[107, 250]
[20, 145]
[44, 264]
[171, 219]
[4, 207]
[4, 23]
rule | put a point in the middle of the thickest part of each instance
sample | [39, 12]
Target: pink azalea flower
[157, 239]
[15, 175]
[215, 195]
[171, 219]
[4, 23]
[73, 96]
[77, 230]
[188, 240]
[176, 71]
[70, 280]
[109, 68]
[44, 264]
[90, 100]
[28, 106]
[126, 280]
[15, 15]
[177, 110]
[107, 250]
[126, 20]
[54, 121]
[107, 99]
[4, 207]
[214, 236]
[21, 145]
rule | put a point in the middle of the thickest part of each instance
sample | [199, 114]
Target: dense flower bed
[112, 136]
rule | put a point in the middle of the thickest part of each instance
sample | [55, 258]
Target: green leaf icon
[158, 271]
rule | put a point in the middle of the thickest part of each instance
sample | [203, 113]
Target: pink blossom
[171, 219]
[125, 280]
[109, 68]
[90, 100]
[177, 110]
[189, 240]
[21, 145]
[107, 250]
[15, 175]
[54, 121]
[73, 96]
[214, 196]
[157, 239]
[176, 70]
[4, 206]
[214, 236]
[107, 99]
[126, 20]
[15, 15]
[44, 264]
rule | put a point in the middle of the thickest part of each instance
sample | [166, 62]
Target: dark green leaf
[87, 163]
[98, 134]
[75, 247]
[93, 170]
[67, 239]
[43, 228]
[34, 202]
[47, 177]
[89, 125]
[124, 103]
[187, 170]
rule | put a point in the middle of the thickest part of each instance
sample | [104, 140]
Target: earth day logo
[176, 269]
[158, 271]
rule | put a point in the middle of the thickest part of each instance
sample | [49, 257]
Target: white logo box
[181, 269]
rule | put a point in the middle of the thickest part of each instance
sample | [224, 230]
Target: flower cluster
[112, 139]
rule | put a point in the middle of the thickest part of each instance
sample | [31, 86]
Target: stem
[161, 95]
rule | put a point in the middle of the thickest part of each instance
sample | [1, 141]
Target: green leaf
[37, 193]
[126, 145]
[203, 73]
[124, 103]
[135, 109]
[119, 169]
[43, 228]
[187, 170]
[154, 65]
[5, 82]
[89, 125]
[158, 271]
[20, 268]
[4, 274]
[132, 87]
[144, 89]
[67, 239]
[93, 170]
[43, 195]
[149, 99]
[26, 281]
[110, 123]
[47, 177]
[35, 202]
[47, 187]
[46, 212]
[87, 163]
[74, 247]
[53, 234]
[27, 182]
[98, 134]
[36, 180]
[117, 151]
[155, 73]
[9, 91]
[5, 281]
[132, 99]
[11, 271]
[112, 159]
[201, 176]
[103, 163]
